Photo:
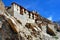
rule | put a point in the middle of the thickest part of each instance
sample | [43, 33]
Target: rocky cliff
[12, 28]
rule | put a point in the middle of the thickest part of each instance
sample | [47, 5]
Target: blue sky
[47, 8]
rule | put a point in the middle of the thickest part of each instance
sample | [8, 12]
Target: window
[33, 16]
[17, 9]
[29, 15]
[25, 12]
[21, 10]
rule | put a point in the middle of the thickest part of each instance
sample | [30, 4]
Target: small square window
[17, 9]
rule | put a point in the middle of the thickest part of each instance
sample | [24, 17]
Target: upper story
[17, 10]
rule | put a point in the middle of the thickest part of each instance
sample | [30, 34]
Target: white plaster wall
[23, 11]
[16, 8]
[26, 14]
[43, 28]
[31, 15]
[20, 17]
[23, 18]
[34, 17]
[31, 21]
[39, 21]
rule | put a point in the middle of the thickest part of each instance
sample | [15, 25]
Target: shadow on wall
[58, 29]
[50, 32]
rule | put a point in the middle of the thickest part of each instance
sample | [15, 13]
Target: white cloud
[50, 18]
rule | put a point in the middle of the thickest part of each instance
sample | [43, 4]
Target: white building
[21, 13]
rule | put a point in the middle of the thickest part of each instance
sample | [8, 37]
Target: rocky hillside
[12, 28]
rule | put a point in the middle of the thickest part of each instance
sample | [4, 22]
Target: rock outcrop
[25, 28]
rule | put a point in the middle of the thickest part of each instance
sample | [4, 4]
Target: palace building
[18, 23]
